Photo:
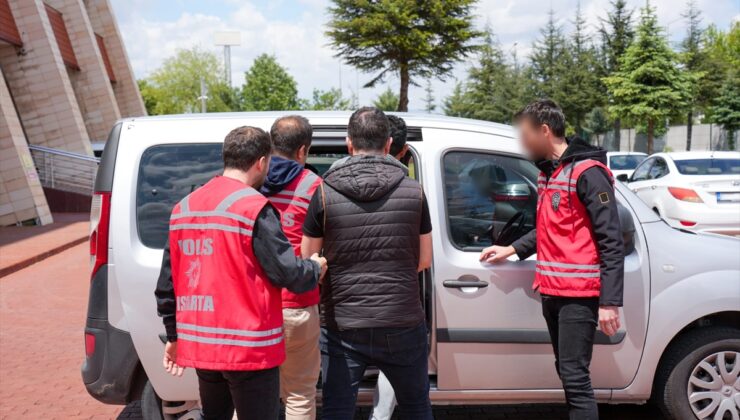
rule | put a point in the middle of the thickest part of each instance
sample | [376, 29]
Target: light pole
[226, 39]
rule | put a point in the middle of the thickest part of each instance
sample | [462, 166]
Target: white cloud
[294, 32]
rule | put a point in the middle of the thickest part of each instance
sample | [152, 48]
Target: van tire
[670, 391]
[151, 404]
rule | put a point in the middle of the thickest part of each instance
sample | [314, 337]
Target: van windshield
[167, 173]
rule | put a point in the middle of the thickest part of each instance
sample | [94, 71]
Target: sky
[293, 31]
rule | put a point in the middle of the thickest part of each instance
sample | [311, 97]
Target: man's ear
[263, 163]
[350, 149]
[388, 144]
[302, 154]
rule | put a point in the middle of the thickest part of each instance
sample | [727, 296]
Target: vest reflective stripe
[567, 274]
[211, 226]
[566, 265]
[214, 213]
[303, 188]
[229, 341]
[288, 201]
[184, 206]
[230, 331]
[234, 197]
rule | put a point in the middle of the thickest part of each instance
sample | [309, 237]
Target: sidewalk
[26, 245]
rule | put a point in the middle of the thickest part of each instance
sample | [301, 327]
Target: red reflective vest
[567, 256]
[229, 315]
[292, 203]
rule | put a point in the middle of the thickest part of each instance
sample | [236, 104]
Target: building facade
[65, 79]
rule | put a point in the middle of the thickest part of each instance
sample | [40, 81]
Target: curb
[40, 257]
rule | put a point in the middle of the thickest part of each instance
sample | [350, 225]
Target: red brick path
[42, 316]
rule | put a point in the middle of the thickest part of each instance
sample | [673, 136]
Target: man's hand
[170, 357]
[609, 319]
[496, 254]
[322, 263]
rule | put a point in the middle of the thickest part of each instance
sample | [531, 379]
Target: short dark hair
[398, 133]
[289, 133]
[244, 146]
[544, 111]
[368, 129]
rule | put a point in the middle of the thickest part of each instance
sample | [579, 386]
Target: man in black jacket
[580, 266]
[373, 224]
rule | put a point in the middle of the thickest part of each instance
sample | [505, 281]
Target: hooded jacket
[595, 191]
[372, 216]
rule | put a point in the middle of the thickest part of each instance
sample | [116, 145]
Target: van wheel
[699, 377]
[153, 408]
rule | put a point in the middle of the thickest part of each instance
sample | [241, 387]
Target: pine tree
[387, 100]
[694, 61]
[458, 103]
[268, 86]
[616, 35]
[429, 105]
[649, 86]
[490, 83]
[547, 60]
[726, 111]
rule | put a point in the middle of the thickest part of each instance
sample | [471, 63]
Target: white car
[698, 191]
[624, 163]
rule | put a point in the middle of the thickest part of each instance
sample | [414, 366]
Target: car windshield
[625, 162]
[711, 166]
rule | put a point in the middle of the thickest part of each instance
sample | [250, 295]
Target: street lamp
[227, 39]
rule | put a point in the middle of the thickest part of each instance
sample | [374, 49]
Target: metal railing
[65, 171]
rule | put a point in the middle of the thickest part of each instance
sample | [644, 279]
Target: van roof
[338, 118]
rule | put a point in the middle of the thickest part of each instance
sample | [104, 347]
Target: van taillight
[99, 222]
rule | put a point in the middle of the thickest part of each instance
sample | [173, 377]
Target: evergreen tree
[549, 54]
[726, 111]
[580, 90]
[386, 101]
[616, 35]
[328, 100]
[429, 105]
[411, 38]
[489, 83]
[269, 87]
[649, 86]
[458, 103]
[694, 61]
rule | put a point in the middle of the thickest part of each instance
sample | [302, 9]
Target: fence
[65, 171]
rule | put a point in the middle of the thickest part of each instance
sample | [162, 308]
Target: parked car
[697, 191]
[624, 163]
[680, 340]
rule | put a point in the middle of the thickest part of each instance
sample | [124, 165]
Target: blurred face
[534, 138]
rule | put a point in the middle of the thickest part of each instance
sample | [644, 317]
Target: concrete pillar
[21, 195]
[91, 83]
[126, 90]
[40, 85]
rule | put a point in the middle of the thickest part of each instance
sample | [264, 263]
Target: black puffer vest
[371, 242]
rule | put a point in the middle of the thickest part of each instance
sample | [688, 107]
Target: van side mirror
[623, 178]
[628, 228]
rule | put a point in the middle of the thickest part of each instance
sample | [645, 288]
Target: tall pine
[694, 60]
[649, 86]
[616, 34]
[547, 60]
[490, 84]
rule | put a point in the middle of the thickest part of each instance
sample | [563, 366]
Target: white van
[680, 342]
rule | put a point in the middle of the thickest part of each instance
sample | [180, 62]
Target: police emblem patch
[555, 201]
[193, 274]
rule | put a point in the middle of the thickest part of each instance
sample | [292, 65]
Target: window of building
[167, 173]
[106, 59]
[62, 36]
[484, 192]
[8, 28]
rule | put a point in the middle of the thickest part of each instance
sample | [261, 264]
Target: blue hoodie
[281, 173]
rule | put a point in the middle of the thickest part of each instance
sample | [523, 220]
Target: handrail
[64, 170]
[65, 153]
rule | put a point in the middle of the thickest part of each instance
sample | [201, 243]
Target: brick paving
[42, 314]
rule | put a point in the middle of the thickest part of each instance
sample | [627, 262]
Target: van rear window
[168, 173]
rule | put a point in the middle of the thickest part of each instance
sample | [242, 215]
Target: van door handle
[459, 284]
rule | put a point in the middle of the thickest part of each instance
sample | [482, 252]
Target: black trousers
[254, 394]
[572, 326]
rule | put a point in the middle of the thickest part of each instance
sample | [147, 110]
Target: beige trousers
[300, 371]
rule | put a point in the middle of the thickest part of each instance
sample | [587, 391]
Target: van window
[484, 192]
[168, 173]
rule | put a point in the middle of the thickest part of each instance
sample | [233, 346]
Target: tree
[694, 61]
[490, 84]
[269, 87]
[722, 54]
[174, 87]
[649, 86]
[726, 111]
[386, 101]
[616, 35]
[458, 103]
[581, 85]
[328, 100]
[411, 38]
[547, 60]
[597, 123]
[429, 105]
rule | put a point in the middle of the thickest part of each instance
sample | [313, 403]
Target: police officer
[289, 187]
[219, 287]
[580, 263]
